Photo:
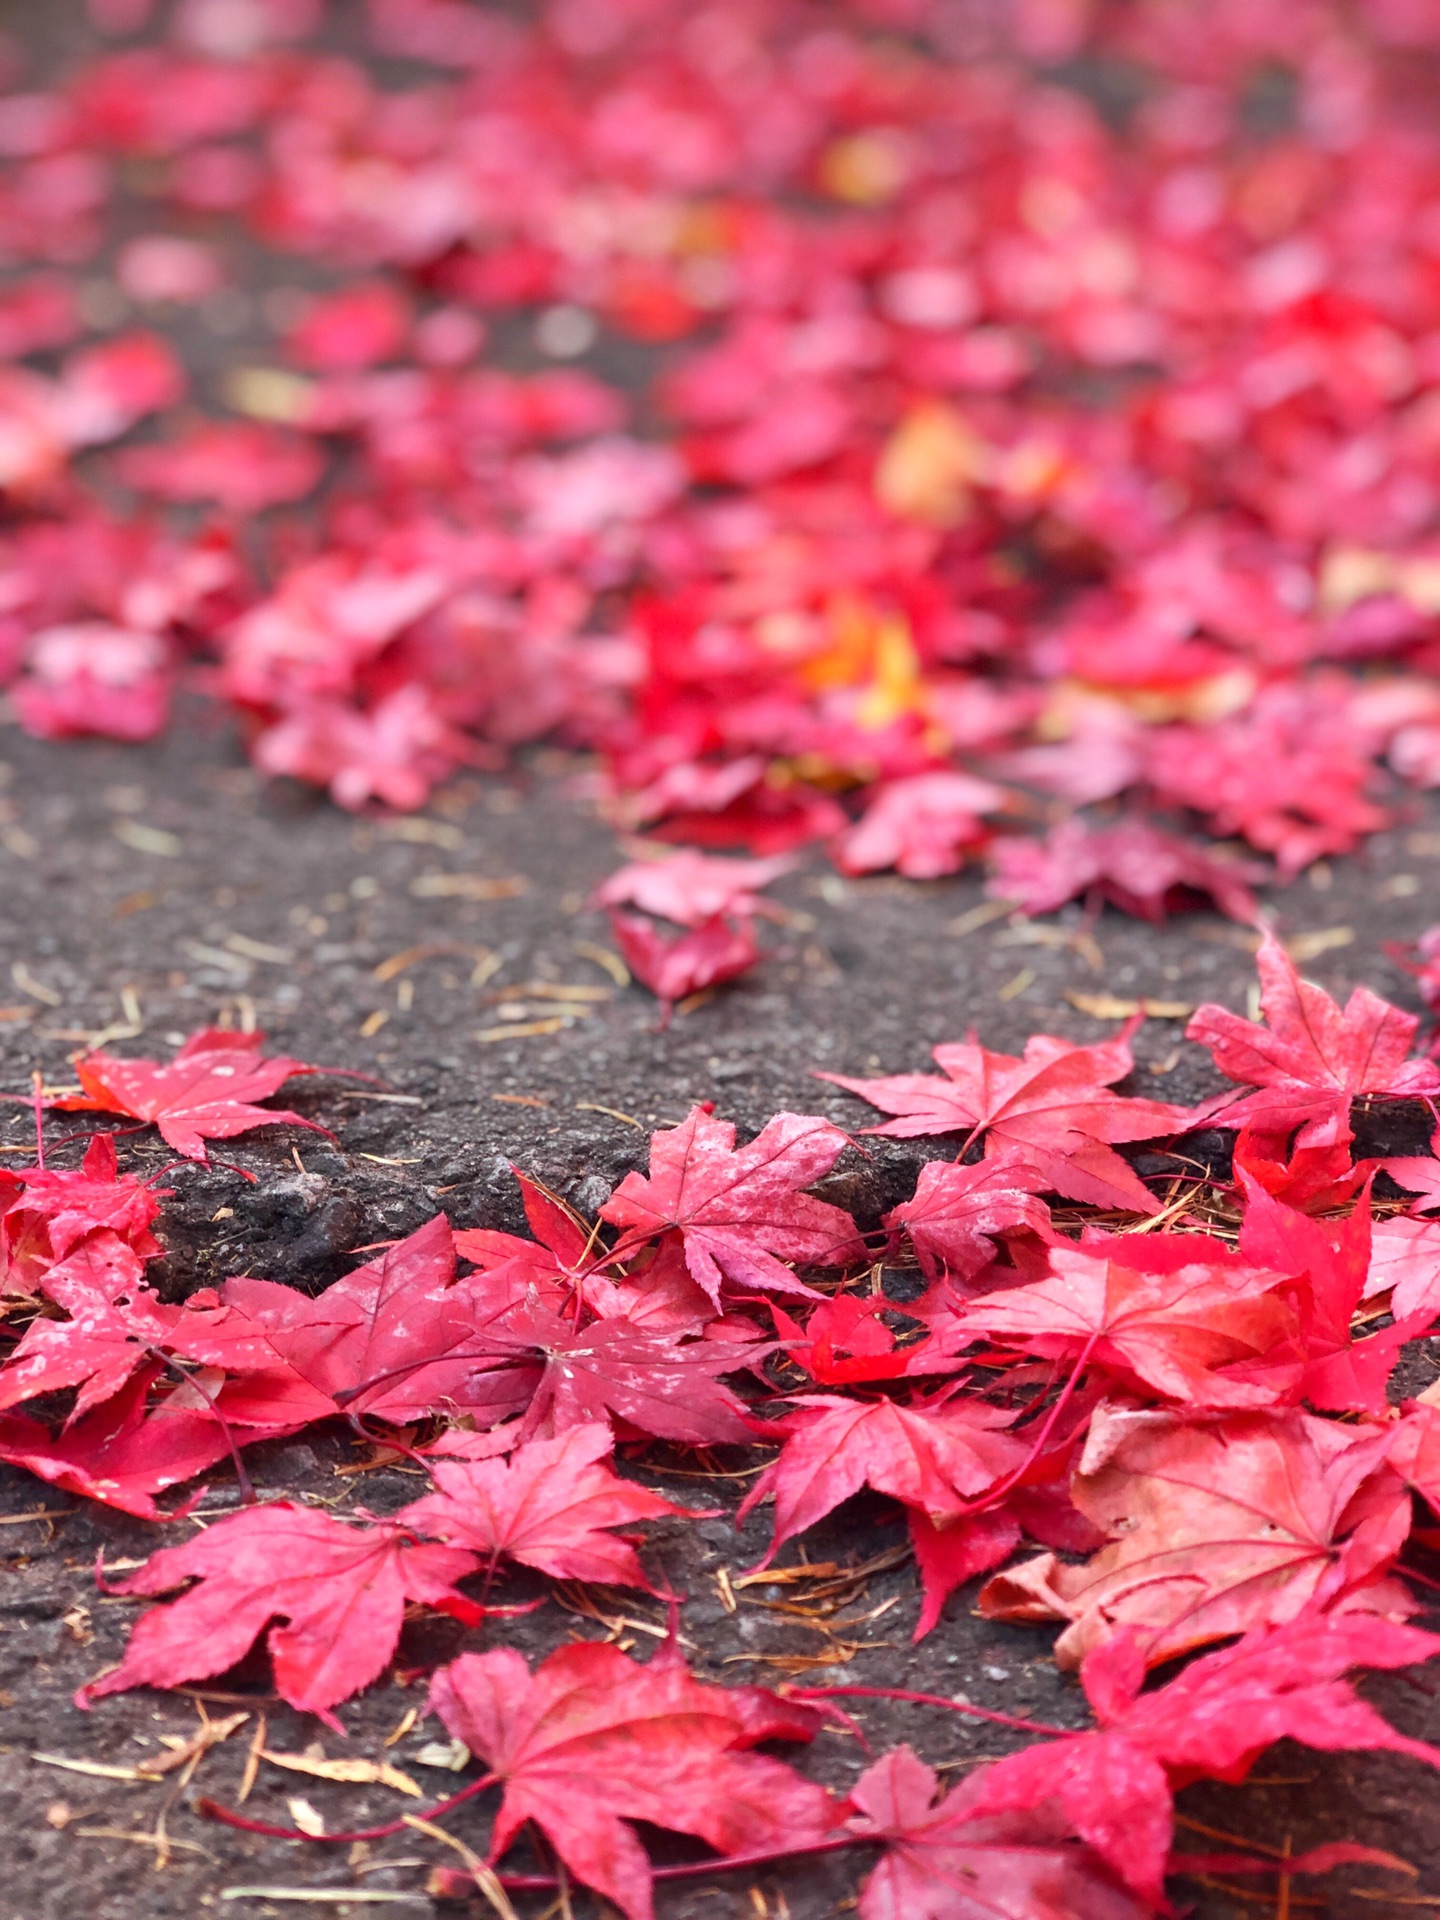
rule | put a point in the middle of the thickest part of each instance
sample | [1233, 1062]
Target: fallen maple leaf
[547, 1506]
[657, 1291]
[692, 888]
[1415, 1449]
[244, 466]
[93, 677]
[1178, 1315]
[937, 1461]
[1311, 1179]
[1216, 1527]
[1405, 1257]
[401, 1339]
[958, 1212]
[653, 1377]
[120, 1455]
[106, 388]
[392, 751]
[1287, 774]
[956, 1861]
[592, 1740]
[1115, 1786]
[340, 1591]
[845, 1341]
[1418, 1174]
[54, 1208]
[674, 966]
[741, 1211]
[1137, 866]
[552, 1260]
[1050, 1108]
[398, 1338]
[207, 1092]
[921, 825]
[948, 1552]
[932, 1458]
[1331, 1259]
[114, 1323]
[354, 327]
[1310, 1060]
[566, 1258]
[566, 1261]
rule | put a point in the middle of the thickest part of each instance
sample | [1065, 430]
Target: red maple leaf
[958, 1212]
[1135, 865]
[674, 966]
[554, 1260]
[1177, 1315]
[93, 677]
[1313, 1179]
[592, 1740]
[1051, 1108]
[399, 1338]
[741, 1212]
[845, 1342]
[921, 825]
[54, 1208]
[120, 1455]
[548, 1506]
[692, 888]
[657, 1291]
[652, 1377]
[340, 1591]
[392, 750]
[953, 1860]
[1115, 1786]
[354, 327]
[1309, 1060]
[1405, 1262]
[244, 466]
[937, 1461]
[114, 1321]
[207, 1092]
[1286, 773]
[564, 1260]
[106, 388]
[1331, 1259]
[1415, 1450]
[1419, 1174]
[1216, 1527]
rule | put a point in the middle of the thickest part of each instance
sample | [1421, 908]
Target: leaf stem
[930, 1700]
[229, 1818]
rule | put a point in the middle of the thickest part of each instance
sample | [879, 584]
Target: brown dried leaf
[350, 1773]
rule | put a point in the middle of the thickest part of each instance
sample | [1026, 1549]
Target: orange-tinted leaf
[1216, 1527]
[207, 1092]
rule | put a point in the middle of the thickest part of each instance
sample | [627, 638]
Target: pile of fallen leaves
[1025, 408]
[1153, 1414]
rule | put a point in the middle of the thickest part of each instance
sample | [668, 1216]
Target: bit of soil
[864, 977]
